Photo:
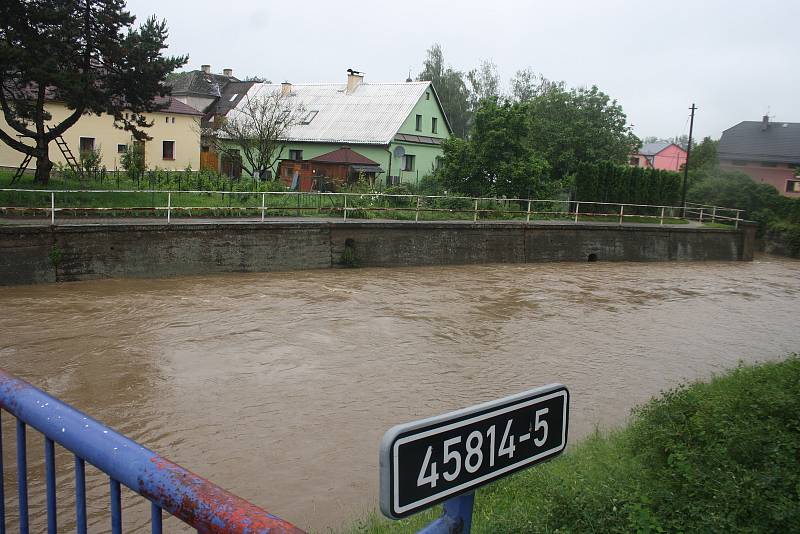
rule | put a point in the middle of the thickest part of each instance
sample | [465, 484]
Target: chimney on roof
[206, 68]
[227, 72]
[764, 122]
[354, 79]
[286, 89]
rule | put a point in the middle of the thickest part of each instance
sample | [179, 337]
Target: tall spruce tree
[85, 54]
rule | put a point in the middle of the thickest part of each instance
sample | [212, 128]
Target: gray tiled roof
[651, 149]
[747, 141]
[197, 82]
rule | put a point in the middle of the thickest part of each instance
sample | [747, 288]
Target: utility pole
[686, 165]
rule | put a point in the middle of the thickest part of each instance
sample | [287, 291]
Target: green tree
[570, 126]
[450, 87]
[527, 84]
[704, 155]
[484, 83]
[85, 54]
[496, 159]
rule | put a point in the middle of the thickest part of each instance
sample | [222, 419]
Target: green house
[398, 126]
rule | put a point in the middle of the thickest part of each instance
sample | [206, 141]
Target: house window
[438, 163]
[121, 149]
[433, 124]
[168, 150]
[86, 144]
[634, 161]
[408, 161]
[296, 155]
[166, 120]
[419, 123]
[793, 186]
[173, 120]
[427, 96]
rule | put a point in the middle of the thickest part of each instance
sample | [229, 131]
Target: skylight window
[233, 97]
[310, 117]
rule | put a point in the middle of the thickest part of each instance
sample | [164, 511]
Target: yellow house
[174, 143]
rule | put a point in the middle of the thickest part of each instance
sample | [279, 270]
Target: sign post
[444, 458]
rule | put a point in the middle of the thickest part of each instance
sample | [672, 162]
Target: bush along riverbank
[718, 456]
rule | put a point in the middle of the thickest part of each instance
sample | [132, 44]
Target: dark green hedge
[609, 182]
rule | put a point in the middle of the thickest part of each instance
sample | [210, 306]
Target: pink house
[768, 152]
[661, 155]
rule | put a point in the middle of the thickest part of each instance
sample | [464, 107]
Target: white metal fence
[32, 203]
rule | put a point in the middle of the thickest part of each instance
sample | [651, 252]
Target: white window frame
[80, 143]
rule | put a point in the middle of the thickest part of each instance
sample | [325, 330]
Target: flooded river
[279, 386]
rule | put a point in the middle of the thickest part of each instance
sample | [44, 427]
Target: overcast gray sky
[734, 58]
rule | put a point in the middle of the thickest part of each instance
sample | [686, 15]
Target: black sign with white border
[429, 461]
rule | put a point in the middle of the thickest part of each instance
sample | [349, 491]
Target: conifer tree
[85, 54]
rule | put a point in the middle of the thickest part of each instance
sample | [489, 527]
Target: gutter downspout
[389, 171]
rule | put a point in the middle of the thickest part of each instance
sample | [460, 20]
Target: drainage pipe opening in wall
[592, 257]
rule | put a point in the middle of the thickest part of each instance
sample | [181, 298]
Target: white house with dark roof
[768, 152]
[398, 126]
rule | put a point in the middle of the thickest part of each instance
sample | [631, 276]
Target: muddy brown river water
[278, 387]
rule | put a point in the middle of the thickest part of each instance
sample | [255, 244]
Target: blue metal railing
[169, 487]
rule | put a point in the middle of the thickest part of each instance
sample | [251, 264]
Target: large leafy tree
[704, 155]
[85, 54]
[496, 159]
[575, 125]
[451, 88]
[527, 84]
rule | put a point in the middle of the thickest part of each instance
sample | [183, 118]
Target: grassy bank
[721, 456]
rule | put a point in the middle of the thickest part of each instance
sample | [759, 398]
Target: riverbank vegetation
[778, 217]
[717, 456]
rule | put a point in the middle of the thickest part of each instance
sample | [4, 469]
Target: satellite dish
[399, 151]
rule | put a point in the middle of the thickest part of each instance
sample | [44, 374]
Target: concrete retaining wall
[81, 252]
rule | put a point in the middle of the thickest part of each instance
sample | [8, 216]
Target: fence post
[528, 217]
[263, 205]
[345, 207]
[701, 215]
[577, 210]
[621, 212]
[416, 214]
[662, 216]
[475, 212]
[169, 206]
[714, 214]
[736, 225]
[52, 209]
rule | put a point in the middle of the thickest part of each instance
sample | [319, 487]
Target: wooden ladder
[68, 156]
[21, 169]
